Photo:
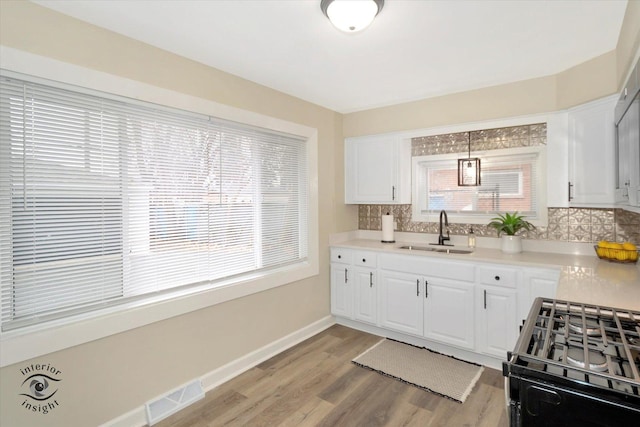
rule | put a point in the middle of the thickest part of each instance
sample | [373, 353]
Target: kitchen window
[512, 180]
[105, 200]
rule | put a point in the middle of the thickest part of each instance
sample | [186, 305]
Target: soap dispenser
[471, 238]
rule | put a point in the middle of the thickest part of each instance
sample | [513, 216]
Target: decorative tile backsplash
[565, 224]
[481, 140]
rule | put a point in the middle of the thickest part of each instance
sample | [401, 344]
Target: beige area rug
[431, 371]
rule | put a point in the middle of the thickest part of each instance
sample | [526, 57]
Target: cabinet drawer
[341, 255]
[498, 276]
[429, 267]
[365, 259]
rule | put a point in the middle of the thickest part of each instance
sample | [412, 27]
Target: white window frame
[419, 163]
[36, 340]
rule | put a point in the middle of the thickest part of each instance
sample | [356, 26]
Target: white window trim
[541, 194]
[30, 342]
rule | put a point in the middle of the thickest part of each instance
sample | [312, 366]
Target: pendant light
[469, 170]
[351, 16]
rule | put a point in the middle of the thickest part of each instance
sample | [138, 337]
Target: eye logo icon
[40, 387]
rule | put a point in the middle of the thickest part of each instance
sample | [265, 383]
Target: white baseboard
[238, 366]
[137, 417]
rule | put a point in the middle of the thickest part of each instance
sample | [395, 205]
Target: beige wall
[514, 99]
[586, 82]
[106, 378]
[629, 41]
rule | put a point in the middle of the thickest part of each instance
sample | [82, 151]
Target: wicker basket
[625, 256]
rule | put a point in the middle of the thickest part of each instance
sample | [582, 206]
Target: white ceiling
[415, 49]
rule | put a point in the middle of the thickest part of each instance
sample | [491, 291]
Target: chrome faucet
[441, 238]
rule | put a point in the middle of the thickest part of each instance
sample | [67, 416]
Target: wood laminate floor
[315, 384]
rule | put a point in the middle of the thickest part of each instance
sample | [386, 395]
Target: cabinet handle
[485, 299]
[625, 191]
[346, 279]
[339, 256]
[570, 187]
[364, 260]
[497, 277]
[370, 279]
[393, 192]
[418, 287]
[426, 289]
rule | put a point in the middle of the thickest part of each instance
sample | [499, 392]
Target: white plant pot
[511, 244]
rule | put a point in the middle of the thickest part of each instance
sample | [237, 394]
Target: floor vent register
[170, 403]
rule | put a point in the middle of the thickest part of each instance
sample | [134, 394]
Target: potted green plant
[510, 225]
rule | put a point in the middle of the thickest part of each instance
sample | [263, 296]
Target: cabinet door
[497, 321]
[628, 160]
[538, 283]
[341, 290]
[364, 282]
[592, 153]
[448, 312]
[377, 170]
[400, 300]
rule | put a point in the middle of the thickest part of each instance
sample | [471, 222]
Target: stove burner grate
[591, 344]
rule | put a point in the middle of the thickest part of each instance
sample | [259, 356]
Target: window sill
[26, 343]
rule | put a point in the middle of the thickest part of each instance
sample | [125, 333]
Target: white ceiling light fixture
[351, 16]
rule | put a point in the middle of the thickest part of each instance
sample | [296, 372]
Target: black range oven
[575, 365]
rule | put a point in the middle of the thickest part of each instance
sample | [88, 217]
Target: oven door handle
[505, 373]
[507, 395]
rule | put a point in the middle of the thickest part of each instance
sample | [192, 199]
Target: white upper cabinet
[592, 163]
[627, 119]
[378, 170]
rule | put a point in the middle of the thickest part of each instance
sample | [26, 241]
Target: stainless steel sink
[442, 250]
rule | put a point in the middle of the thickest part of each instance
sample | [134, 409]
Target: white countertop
[583, 277]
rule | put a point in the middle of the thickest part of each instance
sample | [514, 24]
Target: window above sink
[512, 179]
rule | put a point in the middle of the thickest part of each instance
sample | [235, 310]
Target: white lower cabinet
[497, 320]
[497, 308]
[341, 290]
[448, 312]
[401, 306]
[353, 285]
[539, 282]
[473, 306]
[364, 283]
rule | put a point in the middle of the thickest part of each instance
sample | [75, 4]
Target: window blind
[509, 183]
[104, 200]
